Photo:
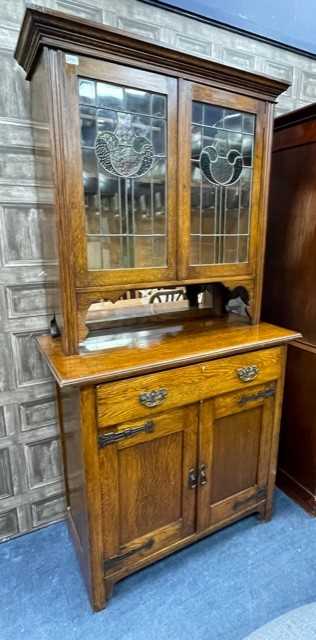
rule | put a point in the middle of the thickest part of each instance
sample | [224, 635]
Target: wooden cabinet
[170, 413]
[183, 471]
[156, 461]
[160, 161]
[147, 478]
[289, 295]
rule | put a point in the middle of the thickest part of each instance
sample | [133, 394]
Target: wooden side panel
[290, 270]
[147, 502]
[77, 418]
[261, 235]
[58, 139]
[297, 460]
[69, 418]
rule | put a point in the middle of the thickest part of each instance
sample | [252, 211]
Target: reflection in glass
[222, 157]
[124, 151]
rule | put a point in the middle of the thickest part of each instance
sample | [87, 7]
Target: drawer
[148, 395]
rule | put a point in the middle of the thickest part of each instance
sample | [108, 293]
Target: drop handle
[246, 374]
[153, 398]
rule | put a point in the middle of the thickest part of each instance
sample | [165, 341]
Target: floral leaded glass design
[124, 157]
[222, 153]
[123, 153]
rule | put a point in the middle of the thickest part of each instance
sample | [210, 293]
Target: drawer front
[151, 394]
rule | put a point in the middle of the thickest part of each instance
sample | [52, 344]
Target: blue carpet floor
[221, 588]
[297, 624]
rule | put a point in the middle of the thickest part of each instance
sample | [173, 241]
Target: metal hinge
[110, 562]
[266, 393]
[108, 438]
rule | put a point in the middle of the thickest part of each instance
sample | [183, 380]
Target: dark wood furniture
[289, 297]
[169, 412]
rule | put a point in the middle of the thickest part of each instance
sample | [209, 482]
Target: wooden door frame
[139, 79]
[189, 91]
[267, 455]
[109, 487]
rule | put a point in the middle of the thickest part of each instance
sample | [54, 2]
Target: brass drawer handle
[267, 393]
[109, 438]
[246, 374]
[153, 398]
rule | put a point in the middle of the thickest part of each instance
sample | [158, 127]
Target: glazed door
[122, 170]
[219, 180]
[236, 430]
[147, 475]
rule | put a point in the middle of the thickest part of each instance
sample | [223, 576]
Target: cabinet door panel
[236, 433]
[236, 449]
[220, 173]
[125, 143]
[144, 484]
[155, 469]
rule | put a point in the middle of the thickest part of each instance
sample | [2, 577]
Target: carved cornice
[58, 30]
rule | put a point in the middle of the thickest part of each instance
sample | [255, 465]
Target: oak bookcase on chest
[290, 297]
[169, 412]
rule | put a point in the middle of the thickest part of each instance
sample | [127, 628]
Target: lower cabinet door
[148, 482]
[234, 455]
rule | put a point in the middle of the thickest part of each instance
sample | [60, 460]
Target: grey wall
[31, 484]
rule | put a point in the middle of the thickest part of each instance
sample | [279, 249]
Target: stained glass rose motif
[123, 153]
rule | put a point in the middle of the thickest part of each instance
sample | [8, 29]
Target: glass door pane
[219, 181]
[222, 143]
[124, 160]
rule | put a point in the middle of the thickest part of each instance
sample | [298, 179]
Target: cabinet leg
[265, 513]
[108, 589]
[102, 602]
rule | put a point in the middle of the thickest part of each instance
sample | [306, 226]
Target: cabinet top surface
[160, 348]
[42, 27]
[297, 116]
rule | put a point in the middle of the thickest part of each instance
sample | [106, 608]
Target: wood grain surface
[194, 342]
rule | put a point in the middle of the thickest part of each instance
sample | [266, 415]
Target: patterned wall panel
[37, 413]
[6, 485]
[28, 234]
[31, 484]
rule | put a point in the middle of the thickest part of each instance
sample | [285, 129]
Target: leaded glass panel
[221, 177]
[124, 158]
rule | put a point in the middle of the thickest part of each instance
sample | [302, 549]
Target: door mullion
[205, 457]
[265, 442]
